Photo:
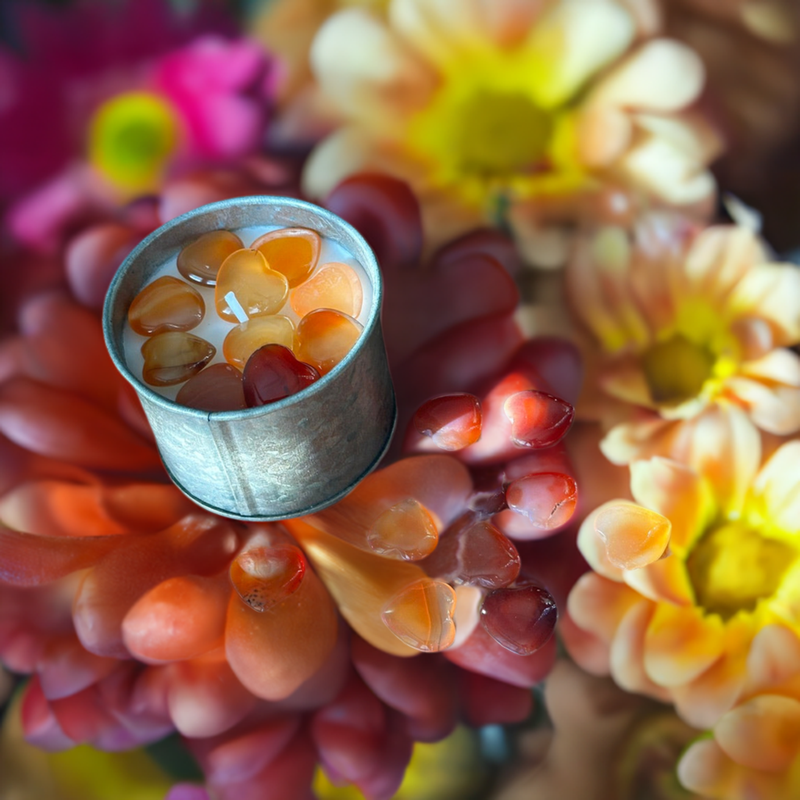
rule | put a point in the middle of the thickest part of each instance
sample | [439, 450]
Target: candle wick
[236, 307]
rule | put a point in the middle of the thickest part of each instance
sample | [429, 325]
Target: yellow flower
[538, 114]
[680, 320]
[753, 752]
[681, 627]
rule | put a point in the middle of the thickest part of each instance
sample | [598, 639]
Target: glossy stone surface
[538, 419]
[272, 373]
[325, 337]
[546, 499]
[405, 530]
[216, 388]
[199, 261]
[257, 288]
[174, 356]
[291, 251]
[166, 304]
[335, 286]
[243, 340]
[521, 618]
[452, 421]
[421, 615]
[475, 553]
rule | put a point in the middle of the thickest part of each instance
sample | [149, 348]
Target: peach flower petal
[676, 492]
[634, 536]
[681, 644]
[663, 75]
[597, 605]
[773, 658]
[778, 484]
[704, 768]
[762, 733]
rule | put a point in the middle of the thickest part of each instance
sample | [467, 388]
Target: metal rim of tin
[112, 328]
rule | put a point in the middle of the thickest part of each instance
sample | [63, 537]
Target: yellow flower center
[676, 369]
[131, 138]
[489, 132]
[733, 567]
[501, 133]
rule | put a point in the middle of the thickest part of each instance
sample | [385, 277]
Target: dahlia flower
[273, 646]
[753, 752]
[685, 577]
[540, 115]
[680, 320]
[107, 100]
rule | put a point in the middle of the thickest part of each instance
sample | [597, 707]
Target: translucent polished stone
[421, 615]
[291, 251]
[405, 530]
[216, 388]
[547, 499]
[335, 286]
[243, 340]
[272, 373]
[200, 261]
[521, 618]
[266, 576]
[325, 337]
[166, 304]
[538, 419]
[174, 356]
[257, 288]
[475, 553]
[451, 421]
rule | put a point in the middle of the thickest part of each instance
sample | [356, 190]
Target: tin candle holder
[291, 457]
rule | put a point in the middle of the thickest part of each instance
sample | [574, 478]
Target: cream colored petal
[368, 72]
[663, 75]
[704, 768]
[593, 548]
[724, 446]
[780, 365]
[664, 581]
[648, 15]
[720, 257]
[681, 644]
[687, 131]
[754, 337]
[575, 40]
[638, 439]
[625, 381]
[604, 133]
[439, 30]
[664, 168]
[677, 492]
[763, 733]
[508, 21]
[627, 653]
[775, 409]
[774, 658]
[778, 487]
[598, 605]
[586, 299]
[772, 292]
[704, 700]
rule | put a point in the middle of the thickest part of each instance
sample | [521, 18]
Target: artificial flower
[538, 115]
[685, 577]
[680, 319]
[101, 110]
[753, 752]
[236, 635]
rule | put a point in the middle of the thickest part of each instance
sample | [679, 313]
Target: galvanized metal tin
[289, 458]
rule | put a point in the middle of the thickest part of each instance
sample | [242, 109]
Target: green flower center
[501, 133]
[131, 139]
[733, 567]
[676, 369]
